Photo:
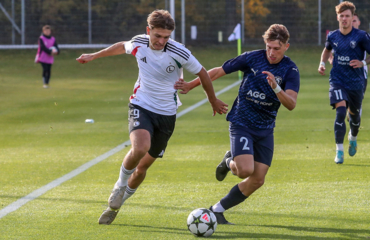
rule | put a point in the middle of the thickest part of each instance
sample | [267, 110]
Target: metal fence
[106, 22]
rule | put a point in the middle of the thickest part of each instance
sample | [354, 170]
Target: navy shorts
[353, 98]
[159, 126]
[259, 143]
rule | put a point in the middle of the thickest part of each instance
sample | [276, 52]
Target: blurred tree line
[117, 20]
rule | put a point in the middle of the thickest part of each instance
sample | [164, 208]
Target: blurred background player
[356, 24]
[48, 47]
[153, 105]
[252, 117]
[347, 78]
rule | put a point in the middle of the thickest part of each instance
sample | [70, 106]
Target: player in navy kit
[270, 79]
[347, 78]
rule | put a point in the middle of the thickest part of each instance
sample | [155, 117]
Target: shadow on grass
[347, 232]
[356, 165]
[221, 234]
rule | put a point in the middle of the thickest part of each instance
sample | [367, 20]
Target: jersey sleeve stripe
[179, 49]
[178, 53]
[141, 38]
[141, 41]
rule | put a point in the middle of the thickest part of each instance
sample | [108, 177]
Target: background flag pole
[236, 35]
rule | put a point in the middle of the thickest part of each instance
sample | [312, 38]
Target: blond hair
[161, 19]
[346, 5]
[277, 32]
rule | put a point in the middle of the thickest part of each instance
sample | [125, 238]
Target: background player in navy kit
[252, 117]
[347, 78]
[153, 105]
[356, 24]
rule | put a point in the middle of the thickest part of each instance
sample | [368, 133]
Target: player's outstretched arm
[115, 49]
[288, 98]
[217, 105]
[324, 58]
[185, 87]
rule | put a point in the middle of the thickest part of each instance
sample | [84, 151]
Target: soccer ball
[202, 222]
[53, 49]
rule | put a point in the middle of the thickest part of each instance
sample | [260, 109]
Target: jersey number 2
[245, 147]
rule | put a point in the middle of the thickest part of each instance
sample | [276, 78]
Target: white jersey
[158, 71]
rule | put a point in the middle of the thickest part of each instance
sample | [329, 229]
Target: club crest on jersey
[353, 44]
[278, 79]
[170, 69]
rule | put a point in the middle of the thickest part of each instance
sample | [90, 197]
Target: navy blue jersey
[346, 48]
[256, 105]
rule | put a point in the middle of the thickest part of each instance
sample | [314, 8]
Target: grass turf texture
[43, 137]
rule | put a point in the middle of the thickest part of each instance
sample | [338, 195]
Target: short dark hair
[46, 27]
[277, 32]
[343, 6]
[161, 19]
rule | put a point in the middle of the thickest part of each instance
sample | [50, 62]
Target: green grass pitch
[43, 136]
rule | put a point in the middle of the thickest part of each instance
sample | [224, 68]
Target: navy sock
[233, 198]
[340, 125]
[354, 123]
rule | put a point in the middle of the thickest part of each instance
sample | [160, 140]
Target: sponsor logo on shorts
[136, 123]
[161, 154]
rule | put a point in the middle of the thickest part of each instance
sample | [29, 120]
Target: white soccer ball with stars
[202, 222]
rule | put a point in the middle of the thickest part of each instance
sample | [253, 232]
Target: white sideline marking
[37, 193]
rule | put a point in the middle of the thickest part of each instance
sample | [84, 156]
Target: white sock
[350, 137]
[124, 175]
[129, 192]
[340, 147]
[228, 161]
[218, 207]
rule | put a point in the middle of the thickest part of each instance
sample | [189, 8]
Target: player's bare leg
[140, 145]
[139, 174]
[243, 166]
[255, 180]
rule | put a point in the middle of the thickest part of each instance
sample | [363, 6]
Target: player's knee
[140, 171]
[139, 152]
[355, 118]
[258, 182]
[244, 173]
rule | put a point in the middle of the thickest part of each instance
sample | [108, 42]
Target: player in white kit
[154, 102]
